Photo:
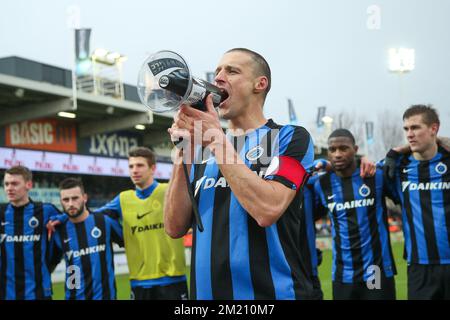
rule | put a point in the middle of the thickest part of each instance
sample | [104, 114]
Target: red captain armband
[289, 169]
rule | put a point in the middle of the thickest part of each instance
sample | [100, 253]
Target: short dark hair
[342, 133]
[429, 114]
[70, 183]
[22, 171]
[143, 152]
[261, 66]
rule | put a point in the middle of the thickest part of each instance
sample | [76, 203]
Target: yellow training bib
[151, 253]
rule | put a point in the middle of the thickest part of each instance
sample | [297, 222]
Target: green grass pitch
[400, 278]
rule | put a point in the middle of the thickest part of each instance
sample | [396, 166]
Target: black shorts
[318, 294]
[360, 290]
[311, 290]
[174, 291]
[428, 282]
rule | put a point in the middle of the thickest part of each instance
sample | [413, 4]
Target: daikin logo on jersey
[351, 204]
[412, 186]
[20, 238]
[364, 191]
[150, 227]
[216, 183]
[86, 251]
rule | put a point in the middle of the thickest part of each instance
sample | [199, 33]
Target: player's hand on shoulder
[390, 164]
[444, 142]
[367, 168]
[321, 165]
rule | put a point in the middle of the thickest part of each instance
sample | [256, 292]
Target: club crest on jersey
[441, 168]
[96, 233]
[364, 191]
[254, 153]
[156, 205]
[33, 223]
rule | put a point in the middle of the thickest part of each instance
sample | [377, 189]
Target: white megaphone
[165, 82]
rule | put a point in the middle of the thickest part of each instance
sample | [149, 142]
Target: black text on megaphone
[177, 82]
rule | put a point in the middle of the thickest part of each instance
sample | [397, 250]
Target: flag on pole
[369, 132]
[82, 42]
[292, 116]
[82, 52]
[320, 114]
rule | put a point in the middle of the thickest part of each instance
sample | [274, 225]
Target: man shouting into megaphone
[247, 188]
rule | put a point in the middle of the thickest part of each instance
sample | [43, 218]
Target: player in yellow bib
[156, 262]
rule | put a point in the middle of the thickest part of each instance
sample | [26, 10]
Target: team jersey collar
[265, 126]
[355, 173]
[90, 216]
[145, 193]
[437, 156]
[22, 206]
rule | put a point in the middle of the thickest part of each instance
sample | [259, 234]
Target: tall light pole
[73, 23]
[401, 61]
[328, 123]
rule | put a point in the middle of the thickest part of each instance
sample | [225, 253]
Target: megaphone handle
[198, 219]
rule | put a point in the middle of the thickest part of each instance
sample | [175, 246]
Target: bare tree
[390, 129]
[388, 133]
[343, 119]
[352, 121]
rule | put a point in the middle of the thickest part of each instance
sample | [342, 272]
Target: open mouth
[225, 96]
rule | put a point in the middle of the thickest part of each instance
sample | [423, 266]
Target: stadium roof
[32, 90]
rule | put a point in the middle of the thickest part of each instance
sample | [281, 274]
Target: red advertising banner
[42, 134]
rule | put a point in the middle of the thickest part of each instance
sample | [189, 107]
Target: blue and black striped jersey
[423, 189]
[88, 254]
[357, 209]
[24, 255]
[235, 258]
[308, 216]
